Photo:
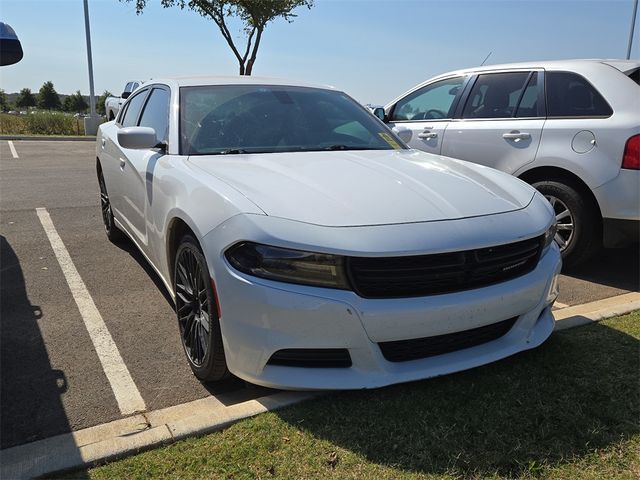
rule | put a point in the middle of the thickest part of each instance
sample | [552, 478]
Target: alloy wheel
[105, 206]
[565, 222]
[192, 307]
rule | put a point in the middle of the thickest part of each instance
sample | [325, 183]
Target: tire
[197, 311]
[579, 228]
[114, 234]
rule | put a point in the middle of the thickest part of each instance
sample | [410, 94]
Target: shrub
[41, 123]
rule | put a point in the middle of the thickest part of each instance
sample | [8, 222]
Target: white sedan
[306, 246]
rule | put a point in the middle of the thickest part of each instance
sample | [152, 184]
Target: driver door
[421, 117]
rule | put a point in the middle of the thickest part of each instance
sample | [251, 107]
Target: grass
[567, 410]
[41, 123]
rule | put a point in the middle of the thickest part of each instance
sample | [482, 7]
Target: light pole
[633, 25]
[92, 121]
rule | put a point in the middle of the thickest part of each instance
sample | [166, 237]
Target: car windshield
[233, 119]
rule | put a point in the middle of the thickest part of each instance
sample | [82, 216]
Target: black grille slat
[312, 358]
[419, 348]
[422, 275]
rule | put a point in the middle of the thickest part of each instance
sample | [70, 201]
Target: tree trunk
[254, 52]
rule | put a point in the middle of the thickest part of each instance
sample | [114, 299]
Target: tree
[100, 102]
[254, 14]
[4, 104]
[75, 103]
[25, 99]
[48, 98]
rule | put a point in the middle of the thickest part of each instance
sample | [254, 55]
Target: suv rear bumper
[619, 202]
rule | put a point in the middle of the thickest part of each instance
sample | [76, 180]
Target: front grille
[417, 348]
[312, 358]
[421, 275]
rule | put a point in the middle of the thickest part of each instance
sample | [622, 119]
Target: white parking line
[125, 390]
[13, 149]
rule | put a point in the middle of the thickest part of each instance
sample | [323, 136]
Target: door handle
[122, 163]
[104, 142]
[516, 136]
[427, 134]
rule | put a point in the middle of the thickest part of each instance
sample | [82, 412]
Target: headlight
[549, 235]
[285, 265]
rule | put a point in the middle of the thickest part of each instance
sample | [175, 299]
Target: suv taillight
[631, 157]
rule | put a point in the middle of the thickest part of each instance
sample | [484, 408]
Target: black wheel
[578, 235]
[114, 234]
[197, 313]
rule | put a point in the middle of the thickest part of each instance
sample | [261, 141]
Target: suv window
[134, 105]
[495, 95]
[156, 113]
[431, 102]
[571, 95]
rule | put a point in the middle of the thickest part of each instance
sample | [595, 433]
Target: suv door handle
[122, 163]
[516, 135]
[427, 134]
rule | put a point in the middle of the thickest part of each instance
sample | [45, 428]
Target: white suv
[570, 128]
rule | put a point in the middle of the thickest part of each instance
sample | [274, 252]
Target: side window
[431, 102]
[528, 106]
[156, 113]
[495, 95]
[134, 105]
[571, 95]
[134, 85]
[127, 87]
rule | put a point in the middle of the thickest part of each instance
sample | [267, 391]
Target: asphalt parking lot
[52, 380]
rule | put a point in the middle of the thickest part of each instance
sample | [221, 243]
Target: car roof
[619, 64]
[204, 80]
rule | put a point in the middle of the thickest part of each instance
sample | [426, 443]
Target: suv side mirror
[125, 95]
[379, 112]
[139, 138]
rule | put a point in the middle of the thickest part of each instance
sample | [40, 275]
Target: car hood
[374, 187]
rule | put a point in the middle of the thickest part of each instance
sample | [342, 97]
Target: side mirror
[379, 112]
[10, 47]
[139, 138]
[125, 95]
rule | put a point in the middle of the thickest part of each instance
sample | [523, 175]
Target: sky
[373, 49]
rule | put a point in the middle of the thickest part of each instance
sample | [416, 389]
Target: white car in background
[112, 104]
[307, 247]
[570, 128]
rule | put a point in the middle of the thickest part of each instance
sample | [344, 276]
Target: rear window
[571, 95]
[635, 75]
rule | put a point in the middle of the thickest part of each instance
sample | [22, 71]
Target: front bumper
[260, 317]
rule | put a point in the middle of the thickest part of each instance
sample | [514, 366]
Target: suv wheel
[578, 228]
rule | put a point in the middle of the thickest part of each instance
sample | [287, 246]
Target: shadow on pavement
[30, 389]
[614, 267]
[577, 393]
[128, 246]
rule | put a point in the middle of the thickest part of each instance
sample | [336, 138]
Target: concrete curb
[45, 138]
[134, 434]
[594, 311]
[131, 435]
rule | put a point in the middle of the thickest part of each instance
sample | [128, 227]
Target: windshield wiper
[232, 151]
[350, 147]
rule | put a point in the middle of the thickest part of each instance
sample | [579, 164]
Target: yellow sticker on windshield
[390, 140]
